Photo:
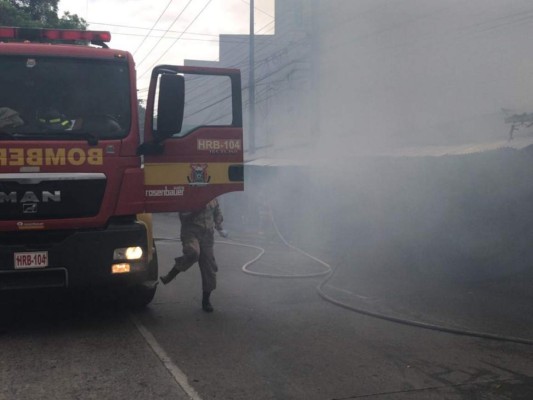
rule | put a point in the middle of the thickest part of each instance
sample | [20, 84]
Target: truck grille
[47, 195]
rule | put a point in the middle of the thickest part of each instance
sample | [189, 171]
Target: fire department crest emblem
[198, 175]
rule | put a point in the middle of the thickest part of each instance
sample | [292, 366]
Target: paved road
[267, 339]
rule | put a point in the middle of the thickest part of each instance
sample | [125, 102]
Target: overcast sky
[203, 20]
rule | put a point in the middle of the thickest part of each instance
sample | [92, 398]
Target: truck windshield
[43, 96]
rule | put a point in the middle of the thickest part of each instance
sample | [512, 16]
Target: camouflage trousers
[198, 247]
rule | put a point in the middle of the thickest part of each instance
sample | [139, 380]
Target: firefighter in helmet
[50, 119]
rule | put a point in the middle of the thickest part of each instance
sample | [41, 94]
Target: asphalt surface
[268, 338]
[498, 306]
[55, 347]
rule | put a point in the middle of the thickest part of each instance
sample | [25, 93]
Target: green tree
[37, 14]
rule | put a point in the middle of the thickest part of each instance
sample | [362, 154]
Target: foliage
[37, 14]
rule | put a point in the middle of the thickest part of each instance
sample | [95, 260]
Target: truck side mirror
[171, 104]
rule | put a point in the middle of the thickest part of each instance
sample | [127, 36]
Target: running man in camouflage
[197, 238]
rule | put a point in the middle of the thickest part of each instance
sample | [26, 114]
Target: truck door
[193, 147]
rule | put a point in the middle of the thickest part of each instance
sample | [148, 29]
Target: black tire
[141, 296]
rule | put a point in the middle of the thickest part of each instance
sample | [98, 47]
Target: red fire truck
[77, 180]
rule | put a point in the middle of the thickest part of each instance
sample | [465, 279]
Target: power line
[166, 30]
[153, 26]
[269, 57]
[175, 41]
[512, 19]
[259, 48]
[204, 89]
[235, 40]
[258, 101]
[155, 30]
[171, 25]
[258, 9]
[167, 37]
[264, 77]
[207, 88]
[242, 88]
[265, 26]
[245, 40]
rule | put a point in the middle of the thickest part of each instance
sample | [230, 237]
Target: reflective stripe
[55, 121]
[38, 177]
[186, 173]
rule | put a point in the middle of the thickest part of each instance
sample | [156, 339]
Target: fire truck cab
[78, 179]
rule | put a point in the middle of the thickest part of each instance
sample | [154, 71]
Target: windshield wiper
[92, 140]
[6, 135]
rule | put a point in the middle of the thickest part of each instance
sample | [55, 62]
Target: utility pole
[315, 59]
[251, 83]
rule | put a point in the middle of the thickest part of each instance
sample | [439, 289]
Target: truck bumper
[76, 258]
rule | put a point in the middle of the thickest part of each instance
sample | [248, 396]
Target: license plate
[31, 259]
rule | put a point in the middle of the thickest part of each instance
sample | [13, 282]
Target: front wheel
[140, 296]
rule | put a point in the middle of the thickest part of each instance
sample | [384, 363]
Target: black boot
[206, 304]
[168, 277]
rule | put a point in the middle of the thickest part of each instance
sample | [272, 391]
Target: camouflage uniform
[197, 238]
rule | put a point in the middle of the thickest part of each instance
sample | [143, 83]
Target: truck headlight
[128, 253]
